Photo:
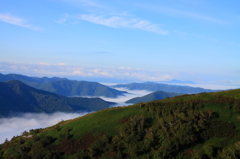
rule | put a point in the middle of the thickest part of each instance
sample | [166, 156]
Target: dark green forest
[204, 125]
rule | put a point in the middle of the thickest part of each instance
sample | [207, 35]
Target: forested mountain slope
[78, 88]
[63, 86]
[151, 86]
[203, 126]
[16, 97]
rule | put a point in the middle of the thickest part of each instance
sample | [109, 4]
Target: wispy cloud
[197, 16]
[181, 12]
[17, 21]
[106, 15]
[83, 2]
[116, 21]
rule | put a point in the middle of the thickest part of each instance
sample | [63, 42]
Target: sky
[137, 40]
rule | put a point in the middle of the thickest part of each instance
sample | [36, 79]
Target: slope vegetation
[17, 97]
[203, 126]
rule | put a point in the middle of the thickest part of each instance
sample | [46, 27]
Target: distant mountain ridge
[28, 79]
[152, 96]
[17, 97]
[152, 86]
[78, 88]
[66, 87]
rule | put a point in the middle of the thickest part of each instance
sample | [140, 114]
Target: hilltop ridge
[157, 95]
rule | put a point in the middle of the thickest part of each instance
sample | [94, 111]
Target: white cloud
[120, 100]
[123, 68]
[108, 16]
[42, 63]
[14, 126]
[62, 64]
[17, 21]
[117, 21]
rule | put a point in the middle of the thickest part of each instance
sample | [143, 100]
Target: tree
[6, 141]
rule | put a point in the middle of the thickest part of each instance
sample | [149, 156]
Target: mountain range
[204, 125]
[65, 87]
[157, 95]
[17, 97]
[152, 86]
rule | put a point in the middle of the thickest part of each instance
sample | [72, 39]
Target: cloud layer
[14, 126]
[61, 69]
[119, 75]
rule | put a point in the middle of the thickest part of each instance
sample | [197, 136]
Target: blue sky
[158, 40]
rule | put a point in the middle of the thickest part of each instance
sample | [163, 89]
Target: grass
[107, 120]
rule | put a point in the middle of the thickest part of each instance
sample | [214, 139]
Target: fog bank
[120, 100]
[14, 126]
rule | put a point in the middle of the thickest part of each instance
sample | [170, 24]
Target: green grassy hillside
[203, 126]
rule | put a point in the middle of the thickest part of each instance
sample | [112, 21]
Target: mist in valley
[14, 126]
[120, 100]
